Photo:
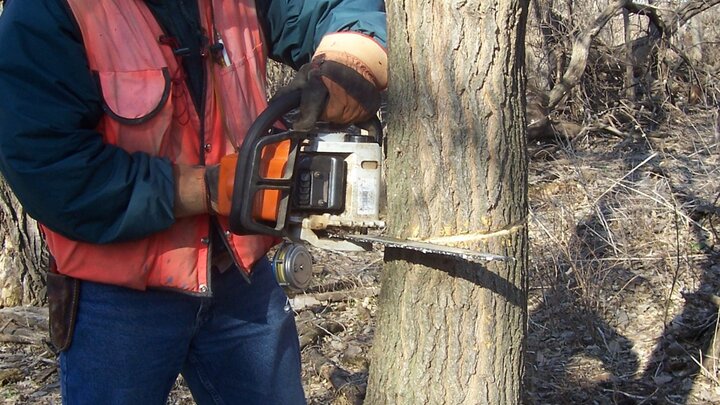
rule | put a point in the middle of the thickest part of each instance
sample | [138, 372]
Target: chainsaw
[322, 187]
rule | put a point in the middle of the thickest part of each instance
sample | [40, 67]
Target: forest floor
[624, 283]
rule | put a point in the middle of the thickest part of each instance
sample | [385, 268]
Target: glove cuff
[358, 51]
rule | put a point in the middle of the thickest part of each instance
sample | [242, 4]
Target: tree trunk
[23, 257]
[451, 331]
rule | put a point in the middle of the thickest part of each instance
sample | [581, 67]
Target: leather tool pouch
[63, 294]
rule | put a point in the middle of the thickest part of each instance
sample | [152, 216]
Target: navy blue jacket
[55, 161]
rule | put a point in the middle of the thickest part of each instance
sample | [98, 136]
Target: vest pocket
[241, 92]
[135, 97]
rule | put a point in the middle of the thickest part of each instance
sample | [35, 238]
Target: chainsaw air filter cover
[320, 183]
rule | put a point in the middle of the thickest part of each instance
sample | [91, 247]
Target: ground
[624, 277]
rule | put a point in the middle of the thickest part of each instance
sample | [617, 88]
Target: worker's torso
[153, 106]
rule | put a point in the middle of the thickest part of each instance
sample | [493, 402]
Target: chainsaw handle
[247, 171]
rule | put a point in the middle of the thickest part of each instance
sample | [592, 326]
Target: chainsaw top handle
[252, 187]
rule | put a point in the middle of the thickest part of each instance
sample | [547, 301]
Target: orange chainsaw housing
[273, 162]
[272, 166]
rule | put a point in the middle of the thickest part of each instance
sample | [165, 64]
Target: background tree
[452, 331]
[22, 254]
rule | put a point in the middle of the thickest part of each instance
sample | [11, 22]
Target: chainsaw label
[367, 198]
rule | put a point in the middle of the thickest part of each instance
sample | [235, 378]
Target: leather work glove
[220, 180]
[343, 81]
[204, 189]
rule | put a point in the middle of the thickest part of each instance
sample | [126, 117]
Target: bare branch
[650, 12]
[581, 50]
[581, 45]
[687, 11]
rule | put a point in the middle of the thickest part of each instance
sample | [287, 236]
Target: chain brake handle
[249, 180]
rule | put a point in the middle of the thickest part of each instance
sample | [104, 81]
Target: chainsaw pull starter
[292, 265]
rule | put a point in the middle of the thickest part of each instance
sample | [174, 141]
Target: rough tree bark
[451, 331]
[23, 257]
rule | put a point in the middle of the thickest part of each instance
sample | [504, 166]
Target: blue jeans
[238, 347]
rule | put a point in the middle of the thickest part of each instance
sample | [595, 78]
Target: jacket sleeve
[294, 28]
[55, 161]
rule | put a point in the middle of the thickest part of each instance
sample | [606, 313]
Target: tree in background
[449, 330]
[23, 257]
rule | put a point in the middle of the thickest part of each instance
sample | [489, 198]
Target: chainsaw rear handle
[251, 186]
[247, 172]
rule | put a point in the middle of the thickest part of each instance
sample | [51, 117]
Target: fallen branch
[24, 325]
[17, 339]
[707, 297]
[581, 44]
[305, 301]
[310, 332]
[339, 296]
[341, 380]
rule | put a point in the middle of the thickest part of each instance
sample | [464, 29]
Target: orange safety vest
[149, 109]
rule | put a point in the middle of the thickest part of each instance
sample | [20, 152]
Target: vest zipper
[202, 152]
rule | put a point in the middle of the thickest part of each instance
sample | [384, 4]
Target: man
[115, 119]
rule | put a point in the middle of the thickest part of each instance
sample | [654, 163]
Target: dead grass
[620, 246]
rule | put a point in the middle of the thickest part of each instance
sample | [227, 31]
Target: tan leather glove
[204, 189]
[191, 196]
[342, 83]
